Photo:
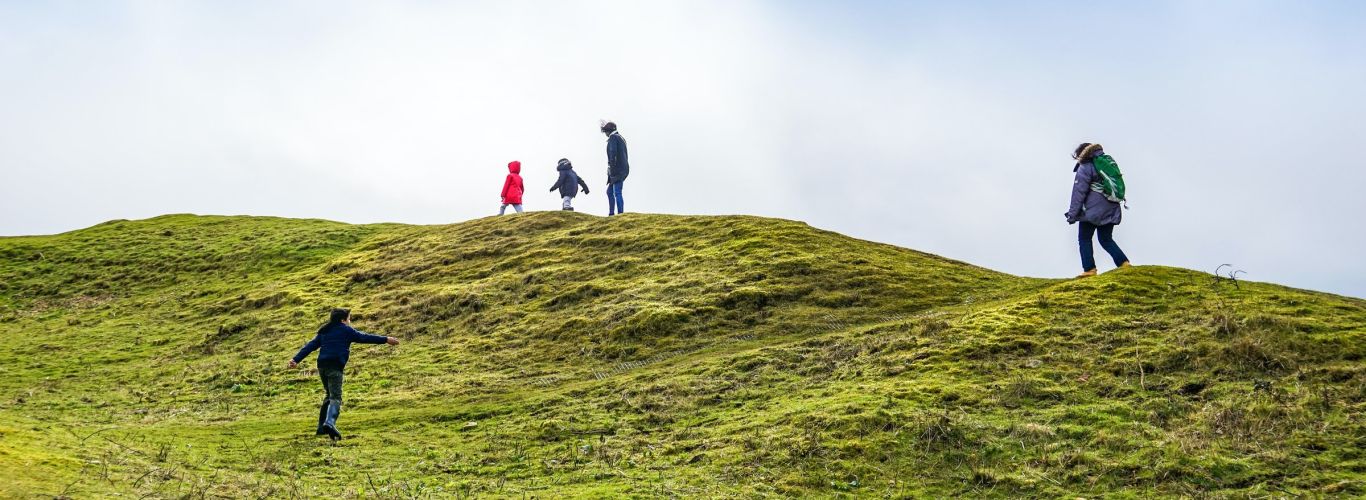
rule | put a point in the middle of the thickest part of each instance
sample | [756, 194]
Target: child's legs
[1085, 230]
[331, 374]
[517, 207]
[567, 203]
[502, 209]
[1107, 241]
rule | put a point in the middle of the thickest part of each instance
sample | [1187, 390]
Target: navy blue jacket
[568, 179]
[336, 341]
[617, 166]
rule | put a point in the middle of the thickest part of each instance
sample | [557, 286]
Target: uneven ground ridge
[557, 354]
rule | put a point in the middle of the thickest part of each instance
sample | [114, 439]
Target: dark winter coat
[512, 187]
[1087, 204]
[335, 341]
[617, 166]
[567, 181]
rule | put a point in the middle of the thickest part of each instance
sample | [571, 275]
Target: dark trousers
[1107, 241]
[614, 203]
[331, 373]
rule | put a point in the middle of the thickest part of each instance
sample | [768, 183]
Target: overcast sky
[941, 126]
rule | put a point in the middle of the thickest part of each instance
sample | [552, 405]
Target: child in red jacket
[512, 188]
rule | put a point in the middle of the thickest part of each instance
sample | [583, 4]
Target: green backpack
[1110, 182]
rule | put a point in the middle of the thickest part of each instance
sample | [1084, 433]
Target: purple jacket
[1088, 205]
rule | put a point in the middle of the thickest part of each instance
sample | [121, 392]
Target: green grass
[558, 354]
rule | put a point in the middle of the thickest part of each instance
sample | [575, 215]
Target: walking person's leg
[1107, 241]
[331, 374]
[327, 402]
[504, 209]
[322, 416]
[567, 203]
[611, 203]
[1085, 230]
[517, 207]
[616, 191]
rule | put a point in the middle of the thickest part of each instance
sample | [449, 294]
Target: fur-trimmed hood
[1086, 153]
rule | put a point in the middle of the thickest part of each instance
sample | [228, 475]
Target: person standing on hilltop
[1097, 191]
[568, 184]
[617, 168]
[512, 188]
[334, 339]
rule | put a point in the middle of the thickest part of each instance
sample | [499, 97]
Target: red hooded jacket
[512, 187]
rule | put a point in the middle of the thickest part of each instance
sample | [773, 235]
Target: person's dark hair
[338, 315]
[1086, 152]
[1076, 153]
[609, 127]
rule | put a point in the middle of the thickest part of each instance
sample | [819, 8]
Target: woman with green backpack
[1097, 193]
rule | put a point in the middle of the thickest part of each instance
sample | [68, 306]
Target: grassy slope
[558, 353]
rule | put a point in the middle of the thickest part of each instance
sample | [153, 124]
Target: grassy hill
[558, 354]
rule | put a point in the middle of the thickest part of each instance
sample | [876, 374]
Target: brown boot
[1087, 274]
[1125, 264]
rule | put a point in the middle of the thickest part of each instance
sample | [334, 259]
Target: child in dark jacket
[567, 184]
[512, 188]
[333, 343]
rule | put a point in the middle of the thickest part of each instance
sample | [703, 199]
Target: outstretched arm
[366, 338]
[558, 182]
[308, 348]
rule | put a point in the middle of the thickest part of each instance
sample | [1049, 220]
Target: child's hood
[515, 167]
[564, 165]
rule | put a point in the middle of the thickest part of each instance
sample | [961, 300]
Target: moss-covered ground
[558, 354]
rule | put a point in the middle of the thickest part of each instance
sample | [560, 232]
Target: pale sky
[940, 126]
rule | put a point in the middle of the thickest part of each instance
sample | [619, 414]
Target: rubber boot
[322, 417]
[330, 422]
[1087, 274]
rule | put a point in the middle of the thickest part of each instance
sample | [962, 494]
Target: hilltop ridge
[561, 354]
